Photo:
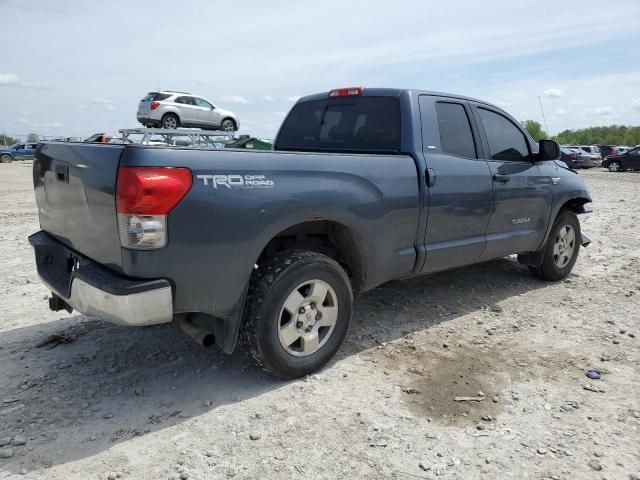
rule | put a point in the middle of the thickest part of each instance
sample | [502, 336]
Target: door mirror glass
[549, 150]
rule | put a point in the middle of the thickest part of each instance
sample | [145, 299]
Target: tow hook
[56, 304]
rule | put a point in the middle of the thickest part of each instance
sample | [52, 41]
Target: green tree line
[609, 135]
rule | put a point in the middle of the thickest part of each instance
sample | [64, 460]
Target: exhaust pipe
[200, 335]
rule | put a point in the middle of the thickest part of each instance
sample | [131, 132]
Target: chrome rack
[196, 136]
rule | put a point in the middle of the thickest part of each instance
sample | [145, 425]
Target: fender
[579, 205]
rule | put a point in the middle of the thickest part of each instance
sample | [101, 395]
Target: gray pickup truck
[267, 247]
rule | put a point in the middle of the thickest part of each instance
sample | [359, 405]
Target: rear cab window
[456, 137]
[358, 124]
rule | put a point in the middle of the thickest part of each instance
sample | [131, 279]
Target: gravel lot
[103, 401]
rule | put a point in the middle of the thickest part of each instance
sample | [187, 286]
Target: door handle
[501, 177]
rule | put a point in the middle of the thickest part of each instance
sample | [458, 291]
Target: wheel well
[171, 113]
[322, 236]
[575, 205]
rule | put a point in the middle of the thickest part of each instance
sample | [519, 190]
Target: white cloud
[636, 104]
[8, 79]
[12, 80]
[281, 114]
[553, 93]
[268, 98]
[561, 111]
[293, 98]
[104, 103]
[235, 99]
[601, 111]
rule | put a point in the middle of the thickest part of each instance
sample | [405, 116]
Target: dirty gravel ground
[148, 403]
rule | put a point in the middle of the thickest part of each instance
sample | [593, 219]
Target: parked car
[18, 151]
[570, 157]
[592, 149]
[621, 149]
[168, 109]
[588, 155]
[607, 150]
[630, 160]
[363, 186]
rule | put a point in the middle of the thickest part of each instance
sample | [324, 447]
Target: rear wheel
[614, 166]
[170, 121]
[297, 313]
[562, 248]
[6, 158]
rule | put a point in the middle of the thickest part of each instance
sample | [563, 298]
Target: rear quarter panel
[217, 234]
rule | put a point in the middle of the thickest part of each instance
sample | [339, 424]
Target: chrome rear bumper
[137, 309]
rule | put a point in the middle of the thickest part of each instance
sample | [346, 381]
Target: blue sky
[74, 67]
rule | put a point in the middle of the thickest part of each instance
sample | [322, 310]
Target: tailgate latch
[62, 172]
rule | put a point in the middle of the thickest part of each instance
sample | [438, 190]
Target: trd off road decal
[236, 181]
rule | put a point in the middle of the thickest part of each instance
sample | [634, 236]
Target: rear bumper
[96, 291]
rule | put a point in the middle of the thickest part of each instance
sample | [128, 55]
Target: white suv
[168, 109]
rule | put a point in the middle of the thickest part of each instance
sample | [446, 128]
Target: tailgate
[75, 191]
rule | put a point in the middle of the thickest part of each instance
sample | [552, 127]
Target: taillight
[346, 92]
[154, 105]
[144, 198]
[574, 156]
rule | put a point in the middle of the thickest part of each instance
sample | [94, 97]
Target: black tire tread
[260, 284]
[547, 271]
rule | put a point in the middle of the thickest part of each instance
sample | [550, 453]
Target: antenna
[543, 117]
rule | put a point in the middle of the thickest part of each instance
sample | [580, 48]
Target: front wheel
[6, 158]
[562, 248]
[614, 167]
[228, 125]
[297, 313]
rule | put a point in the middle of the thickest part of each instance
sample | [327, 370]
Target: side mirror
[548, 150]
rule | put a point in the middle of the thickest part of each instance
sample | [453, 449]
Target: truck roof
[396, 92]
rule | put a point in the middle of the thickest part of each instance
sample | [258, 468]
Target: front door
[206, 112]
[632, 160]
[460, 188]
[522, 188]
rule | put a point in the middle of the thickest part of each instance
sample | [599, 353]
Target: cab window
[456, 137]
[200, 102]
[506, 141]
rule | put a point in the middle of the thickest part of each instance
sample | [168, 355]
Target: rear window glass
[355, 124]
[151, 96]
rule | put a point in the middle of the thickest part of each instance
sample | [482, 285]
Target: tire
[614, 166]
[6, 158]
[170, 121]
[228, 125]
[278, 340]
[560, 253]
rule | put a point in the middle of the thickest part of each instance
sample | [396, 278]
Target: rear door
[206, 112]
[189, 111]
[20, 151]
[459, 184]
[522, 188]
